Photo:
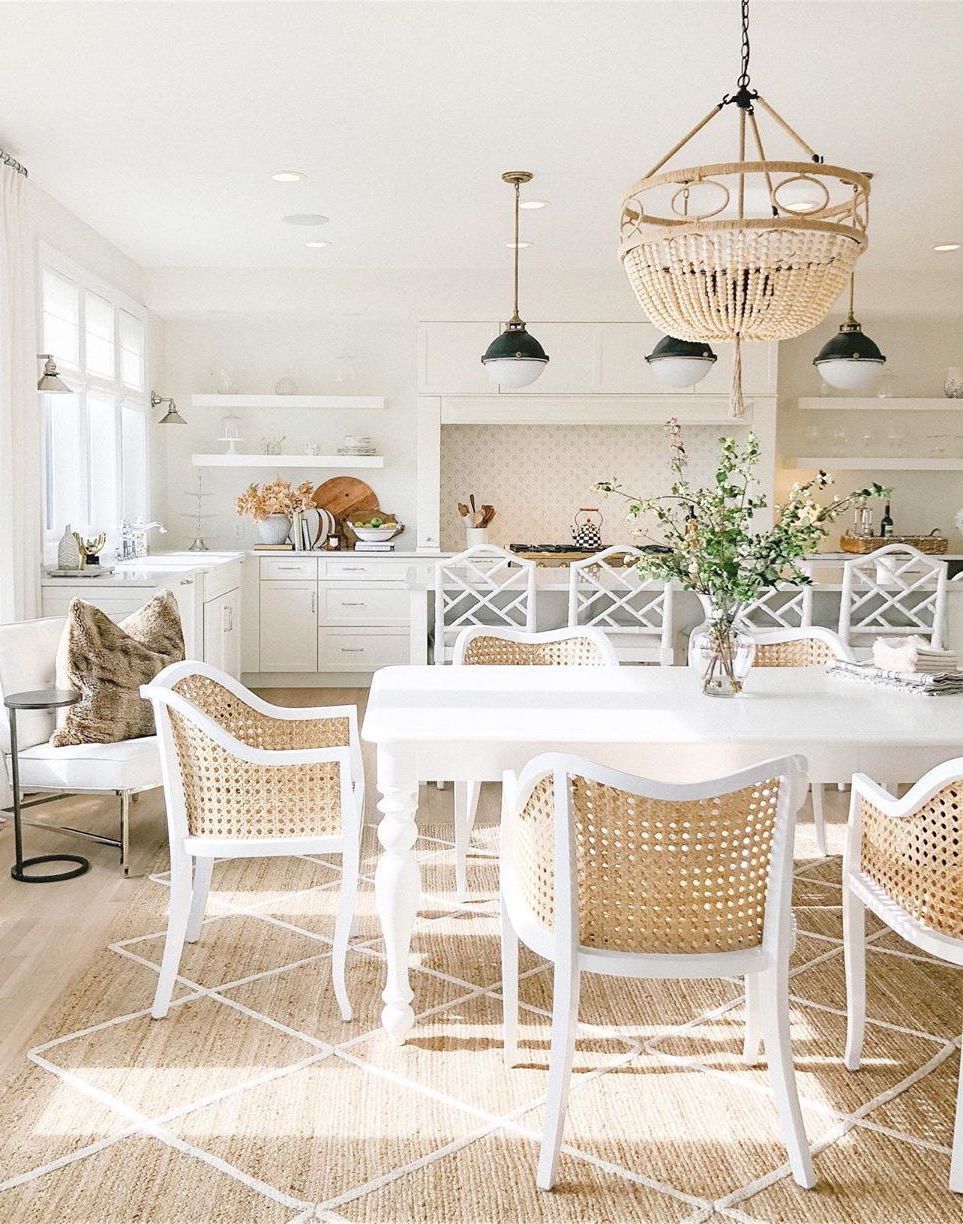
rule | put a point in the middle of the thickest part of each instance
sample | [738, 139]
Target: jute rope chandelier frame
[743, 250]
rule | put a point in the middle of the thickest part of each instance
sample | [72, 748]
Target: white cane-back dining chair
[904, 861]
[246, 779]
[491, 647]
[484, 585]
[894, 590]
[604, 872]
[607, 592]
[811, 647]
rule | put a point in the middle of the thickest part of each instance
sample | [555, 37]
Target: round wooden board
[345, 497]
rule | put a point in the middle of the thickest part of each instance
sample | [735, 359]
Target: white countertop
[151, 571]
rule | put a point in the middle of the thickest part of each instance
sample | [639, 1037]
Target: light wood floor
[49, 932]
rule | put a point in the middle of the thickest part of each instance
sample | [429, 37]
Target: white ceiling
[160, 123]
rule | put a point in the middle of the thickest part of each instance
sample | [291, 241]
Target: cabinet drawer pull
[289, 567]
[354, 569]
[314, 601]
[347, 603]
[352, 650]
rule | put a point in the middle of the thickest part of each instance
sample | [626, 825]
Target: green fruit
[375, 522]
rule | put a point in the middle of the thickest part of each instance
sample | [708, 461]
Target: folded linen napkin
[912, 654]
[928, 684]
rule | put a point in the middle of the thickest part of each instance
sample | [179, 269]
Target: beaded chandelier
[746, 249]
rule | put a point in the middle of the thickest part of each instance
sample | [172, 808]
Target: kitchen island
[331, 619]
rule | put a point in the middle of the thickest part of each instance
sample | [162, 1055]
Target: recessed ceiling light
[288, 176]
[520, 245]
[533, 203]
[305, 219]
[947, 246]
[317, 243]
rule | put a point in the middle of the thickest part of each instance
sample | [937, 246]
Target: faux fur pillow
[108, 663]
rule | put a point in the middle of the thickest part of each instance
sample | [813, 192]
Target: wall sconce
[50, 380]
[171, 416]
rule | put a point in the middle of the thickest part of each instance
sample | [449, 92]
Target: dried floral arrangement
[278, 497]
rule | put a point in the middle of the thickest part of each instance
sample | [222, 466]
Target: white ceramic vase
[475, 535]
[68, 554]
[274, 529]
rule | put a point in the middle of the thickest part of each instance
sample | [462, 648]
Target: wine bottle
[886, 523]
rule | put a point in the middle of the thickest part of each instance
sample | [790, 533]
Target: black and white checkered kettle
[587, 528]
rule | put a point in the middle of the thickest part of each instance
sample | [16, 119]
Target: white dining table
[470, 724]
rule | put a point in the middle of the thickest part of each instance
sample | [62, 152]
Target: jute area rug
[253, 1102]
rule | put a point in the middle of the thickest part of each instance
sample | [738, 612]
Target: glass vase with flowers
[715, 546]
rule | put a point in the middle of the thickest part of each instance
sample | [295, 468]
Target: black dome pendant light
[514, 358]
[849, 361]
[680, 363]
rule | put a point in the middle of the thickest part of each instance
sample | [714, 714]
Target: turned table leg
[397, 886]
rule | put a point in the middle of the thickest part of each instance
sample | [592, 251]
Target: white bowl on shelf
[376, 535]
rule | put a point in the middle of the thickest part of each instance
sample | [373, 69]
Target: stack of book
[286, 547]
[379, 546]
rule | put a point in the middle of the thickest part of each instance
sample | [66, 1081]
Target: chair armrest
[237, 748]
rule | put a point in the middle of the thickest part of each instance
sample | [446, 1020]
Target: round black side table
[42, 699]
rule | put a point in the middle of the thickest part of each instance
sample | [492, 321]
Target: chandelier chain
[744, 96]
[743, 81]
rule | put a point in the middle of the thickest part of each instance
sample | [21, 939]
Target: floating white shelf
[289, 461]
[879, 403]
[287, 401]
[860, 463]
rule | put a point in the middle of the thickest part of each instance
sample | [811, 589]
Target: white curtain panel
[20, 407]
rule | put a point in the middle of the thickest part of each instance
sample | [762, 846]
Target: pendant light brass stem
[517, 194]
[516, 178]
[852, 298]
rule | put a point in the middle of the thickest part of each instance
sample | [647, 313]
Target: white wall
[919, 346]
[61, 229]
[263, 325]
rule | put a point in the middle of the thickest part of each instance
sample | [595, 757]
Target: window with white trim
[96, 440]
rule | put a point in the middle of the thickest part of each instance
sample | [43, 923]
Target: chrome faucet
[134, 538]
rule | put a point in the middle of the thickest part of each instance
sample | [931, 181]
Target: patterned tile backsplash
[537, 476]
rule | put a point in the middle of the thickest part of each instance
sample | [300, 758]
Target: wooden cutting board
[346, 497]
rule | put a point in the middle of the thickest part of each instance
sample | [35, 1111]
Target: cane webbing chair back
[225, 796]
[894, 590]
[652, 875]
[484, 585]
[917, 858]
[493, 649]
[813, 647]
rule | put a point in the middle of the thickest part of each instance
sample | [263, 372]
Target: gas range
[561, 554]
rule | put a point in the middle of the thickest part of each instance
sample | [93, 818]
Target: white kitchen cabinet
[289, 626]
[361, 650]
[222, 632]
[585, 358]
[572, 350]
[364, 604]
[449, 358]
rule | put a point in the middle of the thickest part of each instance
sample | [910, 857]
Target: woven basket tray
[931, 544]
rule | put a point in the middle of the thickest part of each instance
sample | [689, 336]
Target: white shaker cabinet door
[222, 633]
[289, 626]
